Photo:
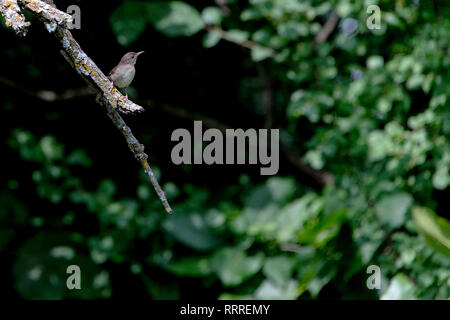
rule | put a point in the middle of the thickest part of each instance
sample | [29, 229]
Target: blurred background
[364, 178]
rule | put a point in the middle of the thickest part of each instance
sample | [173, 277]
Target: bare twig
[267, 94]
[51, 96]
[322, 178]
[225, 35]
[48, 95]
[138, 150]
[223, 5]
[327, 28]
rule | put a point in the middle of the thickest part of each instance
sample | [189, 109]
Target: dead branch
[57, 23]
[225, 35]
[327, 28]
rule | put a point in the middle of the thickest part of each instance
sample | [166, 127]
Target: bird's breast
[123, 75]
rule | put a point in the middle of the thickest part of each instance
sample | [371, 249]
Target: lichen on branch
[13, 17]
[50, 15]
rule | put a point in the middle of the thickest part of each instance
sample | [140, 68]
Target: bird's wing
[111, 74]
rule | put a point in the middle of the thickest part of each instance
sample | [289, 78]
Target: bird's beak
[139, 53]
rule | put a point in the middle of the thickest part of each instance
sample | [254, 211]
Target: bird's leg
[126, 94]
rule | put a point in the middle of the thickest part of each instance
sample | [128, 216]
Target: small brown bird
[123, 74]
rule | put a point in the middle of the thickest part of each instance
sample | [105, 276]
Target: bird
[123, 74]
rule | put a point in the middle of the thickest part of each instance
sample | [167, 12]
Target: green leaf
[441, 178]
[191, 267]
[375, 62]
[175, 18]
[233, 266]
[51, 149]
[238, 36]
[290, 219]
[107, 188]
[320, 231]
[231, 296]
[40, 270]
[250, 14]
[261, 207]
[400, 288]
[415, 81]
[279, 269]
[191, 230]
[212, 15]
[281, 188]
[391, 210]
[269, 290]
[210, 39]
[128, 22]
[434, 229]
[324, 274]
[79, 157]
[261, 53]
